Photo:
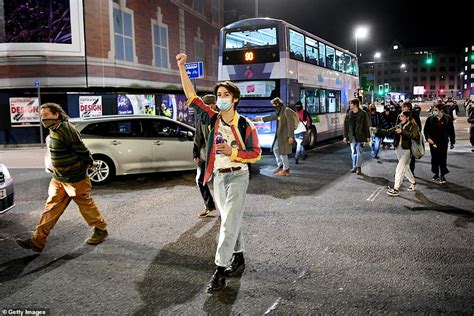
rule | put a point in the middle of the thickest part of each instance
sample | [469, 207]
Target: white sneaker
[393, 192]
[412, 187]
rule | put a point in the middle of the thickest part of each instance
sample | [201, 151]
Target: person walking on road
[356, 132]
[70, 160]
[284, 137]
[439, 131]
[303, 127]
[200, 158]
[375, 122]
[407, 107]
[232, 145]
[403, 133]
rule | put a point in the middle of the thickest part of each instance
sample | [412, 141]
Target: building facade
[468, 72]
[102, 50]
[414, 73]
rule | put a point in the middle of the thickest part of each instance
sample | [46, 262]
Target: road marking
[274, 305]
[204, 229]
[372, 197]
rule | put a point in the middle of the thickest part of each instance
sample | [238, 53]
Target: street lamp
[360, 32]
[377, 55]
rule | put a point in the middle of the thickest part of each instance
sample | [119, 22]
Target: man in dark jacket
[438, 128]
[376, 122]
[356, 132]
[199, 157]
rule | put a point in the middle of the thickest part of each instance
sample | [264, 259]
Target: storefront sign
[90, 106]
[24, 110]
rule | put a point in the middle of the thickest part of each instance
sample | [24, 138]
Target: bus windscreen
[251, 38]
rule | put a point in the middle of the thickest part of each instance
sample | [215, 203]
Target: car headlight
[5, 171]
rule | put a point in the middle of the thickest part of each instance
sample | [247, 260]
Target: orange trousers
[60, 195]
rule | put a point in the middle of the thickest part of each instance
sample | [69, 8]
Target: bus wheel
[313, 138]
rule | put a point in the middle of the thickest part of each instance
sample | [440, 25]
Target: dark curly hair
[56, 108]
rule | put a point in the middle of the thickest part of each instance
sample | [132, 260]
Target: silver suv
[122, 144]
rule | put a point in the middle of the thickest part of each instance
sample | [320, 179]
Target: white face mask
[224, 104]
[435, 113]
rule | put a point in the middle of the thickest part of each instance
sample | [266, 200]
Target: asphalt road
[323, 241]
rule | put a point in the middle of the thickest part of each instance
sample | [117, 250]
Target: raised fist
[181, 59]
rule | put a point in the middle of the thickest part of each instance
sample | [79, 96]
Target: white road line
[372, 197]
[204, 229]
[274, 305]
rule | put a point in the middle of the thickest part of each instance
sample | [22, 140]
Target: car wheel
[103, 171]
[313, 138]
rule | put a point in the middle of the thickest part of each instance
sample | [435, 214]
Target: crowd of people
[226, 143]
[399, 125]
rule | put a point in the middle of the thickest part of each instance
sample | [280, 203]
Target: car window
[163, 128]
[124, 128]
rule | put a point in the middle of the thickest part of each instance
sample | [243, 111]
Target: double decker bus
[270, 58]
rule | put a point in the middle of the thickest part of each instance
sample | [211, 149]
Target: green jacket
[409, 132]
[69, 155]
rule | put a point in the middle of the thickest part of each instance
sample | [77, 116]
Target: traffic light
[380, 92]
[429, 59]
[386, 88]
[472, 57]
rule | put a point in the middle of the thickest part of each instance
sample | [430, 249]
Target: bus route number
[248, 56]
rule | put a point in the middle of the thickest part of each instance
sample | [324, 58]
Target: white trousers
[403, 167]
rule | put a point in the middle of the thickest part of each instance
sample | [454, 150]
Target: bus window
[296, 45]
[331, 102]
[355, 67]
[322, 101]
[311, 48]
[251, 38]
[339, 61]
[348, 64]
[310, 98]
[330, 57]
[322, 54]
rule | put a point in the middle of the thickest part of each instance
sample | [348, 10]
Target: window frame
[123, 36]
[155, 46]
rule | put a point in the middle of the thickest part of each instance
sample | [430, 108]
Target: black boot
[217, 282]
[237, 266]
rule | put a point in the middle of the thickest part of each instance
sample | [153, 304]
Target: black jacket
[440, 137]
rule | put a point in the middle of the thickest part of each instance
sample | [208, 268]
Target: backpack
[418, 147]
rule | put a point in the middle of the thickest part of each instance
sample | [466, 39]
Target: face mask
[224, 104]
[435, 113]
[48, 123]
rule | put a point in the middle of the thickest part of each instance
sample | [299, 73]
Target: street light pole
[360, 32]
[256, 8]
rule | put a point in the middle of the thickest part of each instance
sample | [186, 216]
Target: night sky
[412, 23]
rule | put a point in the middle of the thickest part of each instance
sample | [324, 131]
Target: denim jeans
[230, 190]
[205, 192]
[374, 145]
[299, 147]
[281, 160]
[356, 154]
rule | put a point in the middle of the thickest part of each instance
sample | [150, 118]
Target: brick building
[103, 48]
